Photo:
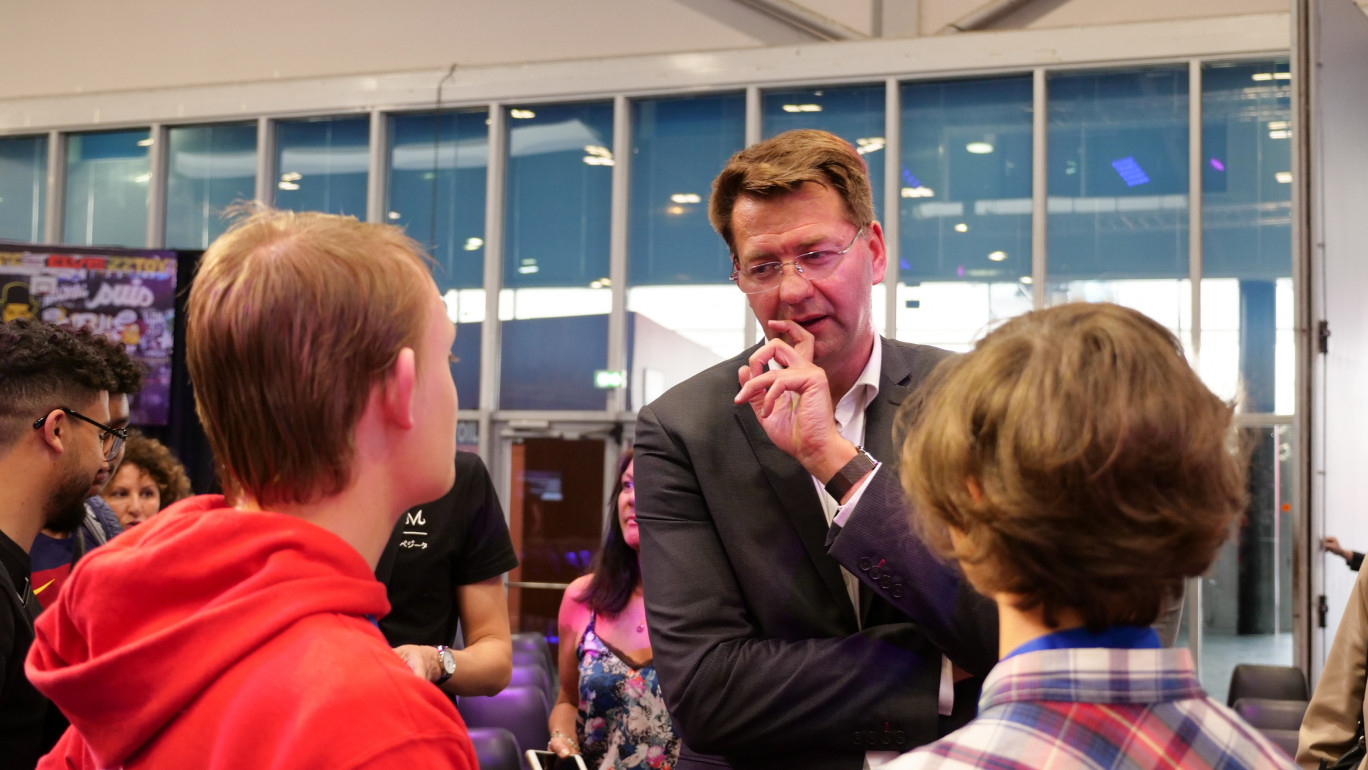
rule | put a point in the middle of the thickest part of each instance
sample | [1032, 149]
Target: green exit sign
[609, 379]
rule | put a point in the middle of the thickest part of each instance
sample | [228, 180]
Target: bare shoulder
[574, 613]
[578, 586]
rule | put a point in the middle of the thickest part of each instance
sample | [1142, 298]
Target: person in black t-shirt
[445, 563]
[55, 439]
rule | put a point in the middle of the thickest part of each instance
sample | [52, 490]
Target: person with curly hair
[55, 439]
[149, 479]
[55, 552]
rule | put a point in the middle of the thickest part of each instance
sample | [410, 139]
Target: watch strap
[850, 474]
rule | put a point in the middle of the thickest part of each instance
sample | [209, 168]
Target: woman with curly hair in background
[149, 479]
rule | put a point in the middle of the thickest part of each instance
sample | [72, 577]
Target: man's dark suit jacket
[760, 656]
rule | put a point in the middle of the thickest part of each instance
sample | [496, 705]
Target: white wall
[1339, 281]
[60, 47]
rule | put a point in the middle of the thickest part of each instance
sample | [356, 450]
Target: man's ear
[878, 252]
[399, 386]
[54, 430]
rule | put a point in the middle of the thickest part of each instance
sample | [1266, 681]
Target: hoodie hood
[147, 622]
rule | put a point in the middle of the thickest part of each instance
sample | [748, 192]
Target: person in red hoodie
[239, 631]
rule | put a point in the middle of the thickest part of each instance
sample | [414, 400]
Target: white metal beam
[862, 61]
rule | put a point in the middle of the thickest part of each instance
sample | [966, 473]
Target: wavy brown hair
[1105, 470]
[780, 165]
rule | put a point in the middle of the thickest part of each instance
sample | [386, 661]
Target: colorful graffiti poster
[128, 297]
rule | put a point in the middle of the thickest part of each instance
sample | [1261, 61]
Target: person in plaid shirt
[1078, 469]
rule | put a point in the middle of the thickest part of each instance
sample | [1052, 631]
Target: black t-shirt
[22, 708]
[437, 547]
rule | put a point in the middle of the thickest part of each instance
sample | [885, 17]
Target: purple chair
[520, 710]
[496, 748]
[531, 640]
[533, 675]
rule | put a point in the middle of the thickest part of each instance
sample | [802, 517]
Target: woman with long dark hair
[610, 708]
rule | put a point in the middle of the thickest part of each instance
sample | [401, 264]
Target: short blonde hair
[780, 165]
[1105, 470]
[292, 319]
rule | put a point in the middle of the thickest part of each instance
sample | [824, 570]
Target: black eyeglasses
[111, 438]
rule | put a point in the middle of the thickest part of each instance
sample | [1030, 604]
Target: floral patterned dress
[622, 718]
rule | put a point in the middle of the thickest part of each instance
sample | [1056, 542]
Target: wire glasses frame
[111, 438]
[814, 266]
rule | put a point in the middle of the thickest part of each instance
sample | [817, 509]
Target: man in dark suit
[770, 654]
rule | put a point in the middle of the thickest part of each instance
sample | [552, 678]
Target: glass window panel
[1247, 592]
[555, 301]
[107, 174]
[322, 163]
[854, 113]
[1247, 334]
[23, 188]
[1118, 192]
[208, 169]
[684, 314]
[437, 169]
[965, 208]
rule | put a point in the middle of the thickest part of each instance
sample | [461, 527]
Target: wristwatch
[850, 474]
[448, 663]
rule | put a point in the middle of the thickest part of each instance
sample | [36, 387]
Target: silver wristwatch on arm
[448, 661]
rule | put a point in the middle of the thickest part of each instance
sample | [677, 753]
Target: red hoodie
[217, 638]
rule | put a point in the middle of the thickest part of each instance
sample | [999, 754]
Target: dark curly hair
[43, 367]
[128, 374]
[153, 456]
[616, 569]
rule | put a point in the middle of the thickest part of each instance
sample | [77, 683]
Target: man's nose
[794, 287]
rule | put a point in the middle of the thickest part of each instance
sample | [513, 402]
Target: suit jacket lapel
[894, 387]
[798, 499]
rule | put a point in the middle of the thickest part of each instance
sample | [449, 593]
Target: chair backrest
[1267, 713]
[1249, 680]
[531, 640]
[1283, 739]
[496, 748]
[520, 710]
[533, 675]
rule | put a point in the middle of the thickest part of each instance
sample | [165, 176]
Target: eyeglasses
[111, 438]
[814, 266]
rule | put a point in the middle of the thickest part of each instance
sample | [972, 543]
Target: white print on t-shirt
[414, 519]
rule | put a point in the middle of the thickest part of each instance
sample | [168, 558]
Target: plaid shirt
[1098, 708]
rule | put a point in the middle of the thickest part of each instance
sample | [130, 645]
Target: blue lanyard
[1124, 637]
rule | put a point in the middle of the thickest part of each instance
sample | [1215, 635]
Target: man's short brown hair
[292, 319]
[780, 165]
[1105, 471]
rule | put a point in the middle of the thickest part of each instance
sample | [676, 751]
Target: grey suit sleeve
[734, 688]
[878, 545]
